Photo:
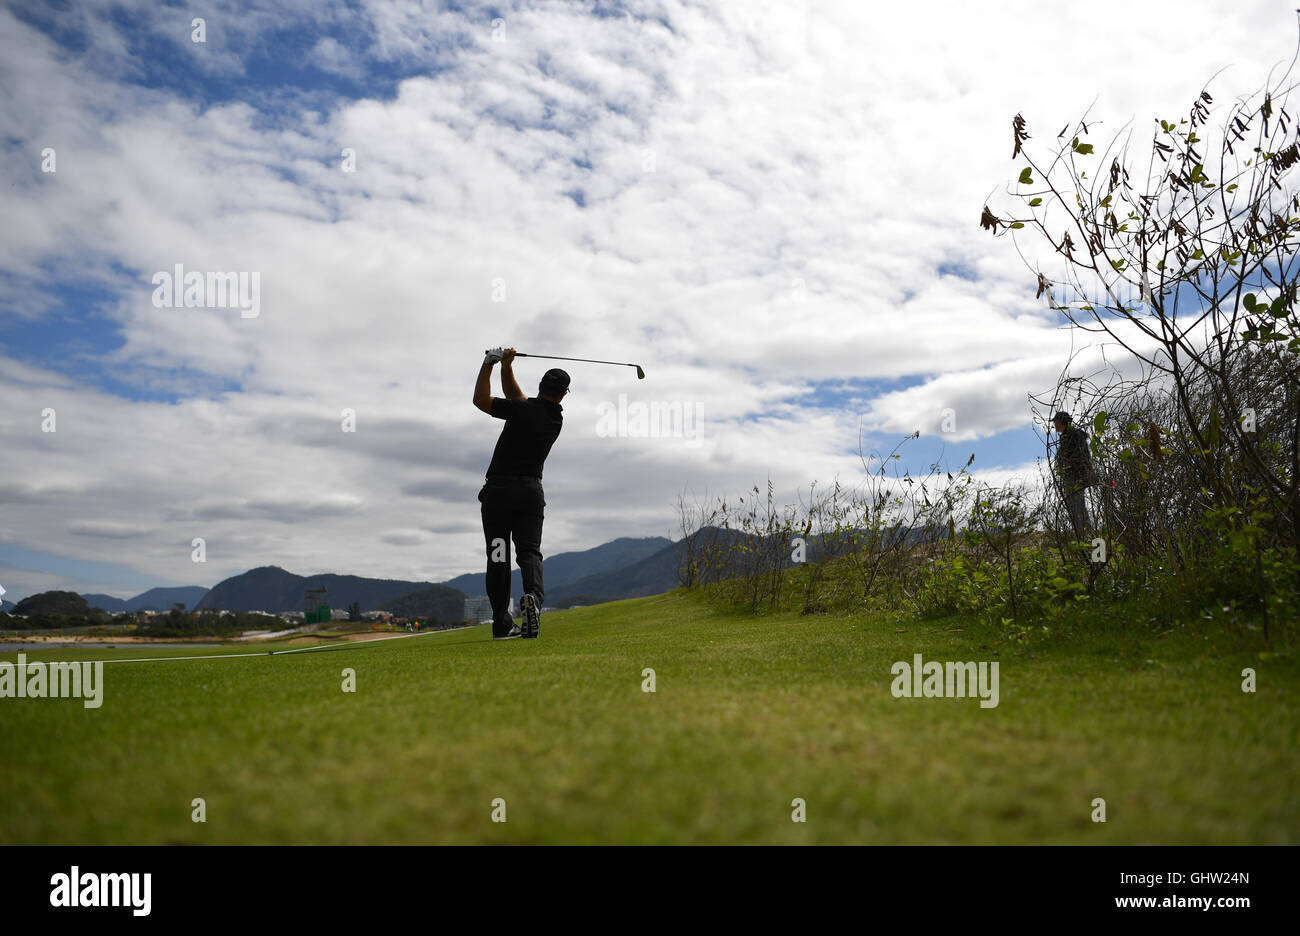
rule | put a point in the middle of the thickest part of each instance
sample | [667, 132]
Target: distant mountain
[438, 603]
[155, 599]
[164, 599]
[627, 567]
[659, 572]
[53, 604]
[272, 589]
[6, 606]
[621, 568]
[563, 568]
[106, 603]
[265, 588]
[652, 575]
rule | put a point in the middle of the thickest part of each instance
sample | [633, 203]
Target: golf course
[558, 737]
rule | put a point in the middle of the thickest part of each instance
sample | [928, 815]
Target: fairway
[749, 713]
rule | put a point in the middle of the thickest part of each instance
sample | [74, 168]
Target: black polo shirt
[1072, 455]
[531, 428]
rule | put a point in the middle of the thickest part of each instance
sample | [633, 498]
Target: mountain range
[272, 589]
[564, 570]
[155, 599]
[622, 568]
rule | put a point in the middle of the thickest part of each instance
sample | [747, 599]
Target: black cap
[1062, 417]
[554, 382]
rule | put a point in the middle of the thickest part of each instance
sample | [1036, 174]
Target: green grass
[749, 713]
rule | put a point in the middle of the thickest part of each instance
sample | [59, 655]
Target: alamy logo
[102, 890]
[935, 680]
[53, 681]
[214, 291]
[654, 420]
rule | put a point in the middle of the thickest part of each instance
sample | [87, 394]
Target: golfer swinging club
[512, 496]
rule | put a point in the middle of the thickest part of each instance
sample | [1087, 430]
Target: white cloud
[332, 56]
[813, 170]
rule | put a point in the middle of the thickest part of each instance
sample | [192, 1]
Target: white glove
[493, 355]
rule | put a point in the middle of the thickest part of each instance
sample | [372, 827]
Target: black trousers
[512, 509]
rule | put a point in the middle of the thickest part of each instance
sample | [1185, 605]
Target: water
[6, 647]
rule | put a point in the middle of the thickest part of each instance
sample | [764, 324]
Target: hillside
[164, 599]
[155, 599]
[439, 603]
[53, 604]
[272, 589]
[106, 603]
[627, 567]
[622, 568]
[564, 568]
[652, 575]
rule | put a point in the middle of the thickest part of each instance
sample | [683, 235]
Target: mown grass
[749, 713]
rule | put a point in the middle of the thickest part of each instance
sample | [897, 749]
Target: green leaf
[1018, 224]
[1248, 301]
[1035, 202]
[1199, 255]
[1026, 178]
[1083, 149]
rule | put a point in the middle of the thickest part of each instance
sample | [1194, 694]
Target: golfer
[1073, 469]
[512, 495]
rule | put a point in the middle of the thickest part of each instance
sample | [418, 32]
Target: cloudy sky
[773, 207]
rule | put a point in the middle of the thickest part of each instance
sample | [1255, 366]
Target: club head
[640, 374]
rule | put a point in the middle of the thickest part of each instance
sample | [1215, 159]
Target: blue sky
[772, 207]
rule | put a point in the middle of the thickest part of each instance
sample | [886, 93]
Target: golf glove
[493, 355]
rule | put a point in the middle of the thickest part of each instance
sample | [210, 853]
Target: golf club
[640, 374]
